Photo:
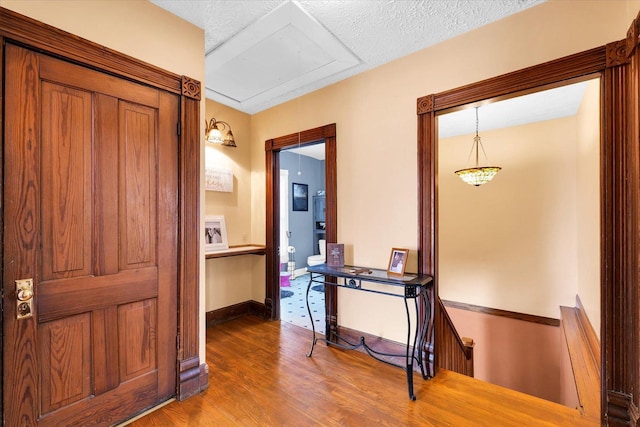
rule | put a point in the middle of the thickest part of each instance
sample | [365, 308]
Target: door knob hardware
[24, 298]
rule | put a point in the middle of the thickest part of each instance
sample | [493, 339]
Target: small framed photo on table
[215, 233]
[397, 262]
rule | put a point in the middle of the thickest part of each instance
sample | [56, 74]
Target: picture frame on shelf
[215, 233]
[300, 197]
[397, 262]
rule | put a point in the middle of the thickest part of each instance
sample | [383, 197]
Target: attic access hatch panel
[281, 52]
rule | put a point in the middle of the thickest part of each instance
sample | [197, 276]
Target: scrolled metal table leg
[408, 356]
[313, 328]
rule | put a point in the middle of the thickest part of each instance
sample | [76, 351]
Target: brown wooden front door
[90, 214]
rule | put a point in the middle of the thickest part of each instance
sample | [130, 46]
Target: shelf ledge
[237, 250]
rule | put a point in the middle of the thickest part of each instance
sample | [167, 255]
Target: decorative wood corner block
[426, 104]
[190, 88]
[616, 53]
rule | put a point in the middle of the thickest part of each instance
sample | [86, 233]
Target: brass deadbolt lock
[24, 298]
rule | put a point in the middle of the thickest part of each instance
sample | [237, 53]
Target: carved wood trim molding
[189, 382]
[189, 249]
[191, 88]
[552, 73]
[617, 53]
[31, 33]
[621, 409]
[425, 104]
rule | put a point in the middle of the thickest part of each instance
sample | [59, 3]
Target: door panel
[65, 369]
[137, 186]
[66, 182]
[91, 198]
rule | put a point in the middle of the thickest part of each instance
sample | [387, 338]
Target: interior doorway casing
[326, 134]
[619, 68]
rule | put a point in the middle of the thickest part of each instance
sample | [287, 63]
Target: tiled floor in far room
[293, 309]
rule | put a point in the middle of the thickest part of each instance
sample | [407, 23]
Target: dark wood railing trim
[549, 321]
[585, 360]
[460, 360]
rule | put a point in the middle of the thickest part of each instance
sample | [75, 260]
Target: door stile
[21, 191]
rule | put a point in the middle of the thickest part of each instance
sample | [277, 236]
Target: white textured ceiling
[256, 60]
[563, 101]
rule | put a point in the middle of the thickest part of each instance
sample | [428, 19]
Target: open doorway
[273, 148]
[302, 233]
[528, 241]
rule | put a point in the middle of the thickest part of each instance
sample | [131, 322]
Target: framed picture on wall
[397, 262]
[215, 234]
[300, 197]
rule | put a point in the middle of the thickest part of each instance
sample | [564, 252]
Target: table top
[371, 275]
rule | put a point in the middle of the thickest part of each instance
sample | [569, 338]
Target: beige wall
[137, 28]
[232, 280]
[588, 204]
[375, 115]
[523, 356]
[511, 244]
[529, 241]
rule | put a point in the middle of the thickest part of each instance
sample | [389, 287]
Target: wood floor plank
[259, 376]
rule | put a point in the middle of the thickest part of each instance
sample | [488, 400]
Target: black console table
[409, 287]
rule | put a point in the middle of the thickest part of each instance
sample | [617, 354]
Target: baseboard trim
[234, 311]
[189, 378]
[503, 313]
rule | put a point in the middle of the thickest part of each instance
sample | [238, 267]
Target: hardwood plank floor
[259, 376]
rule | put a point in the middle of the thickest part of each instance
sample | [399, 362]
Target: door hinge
[179, 128]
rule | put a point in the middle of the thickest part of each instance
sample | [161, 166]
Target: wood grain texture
[275, 384]
[104, 164]
[586, 370]
[21, 244]
[452, 352]
[66, 182]
[182, 229]
[65, 361]
[138, 192]
[189, 248]
[620, 227]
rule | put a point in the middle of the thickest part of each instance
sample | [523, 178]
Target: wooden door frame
[24, 31]
[272, 148]
[619, 187]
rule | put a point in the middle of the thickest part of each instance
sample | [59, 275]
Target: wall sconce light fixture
[213, 135]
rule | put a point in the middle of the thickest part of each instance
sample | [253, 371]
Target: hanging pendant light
[478, 175]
